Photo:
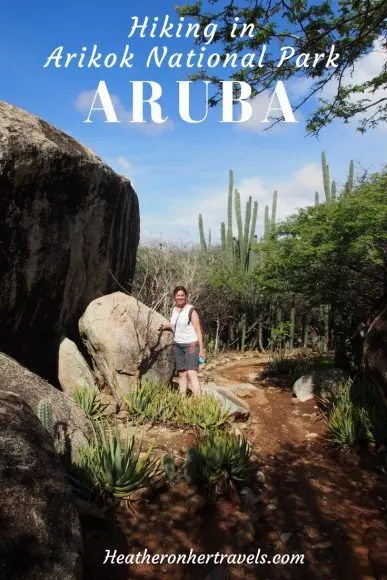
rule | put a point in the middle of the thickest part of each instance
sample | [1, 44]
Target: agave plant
[218, 460]
[204, 412]
[88, 399]
[115, 469]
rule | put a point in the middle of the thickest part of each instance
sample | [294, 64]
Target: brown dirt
[314, 501]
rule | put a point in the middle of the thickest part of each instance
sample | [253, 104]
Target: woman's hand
[202, 353]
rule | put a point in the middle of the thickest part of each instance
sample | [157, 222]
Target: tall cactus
[223, 239]
[246, 235]
[349, 184]
[252, 256]
[326, 178]
[266, 228]
[201, 234]
[273, 210]
[229, 217]
[333, 191]
[238, 213]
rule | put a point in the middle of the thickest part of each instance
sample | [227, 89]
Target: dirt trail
[313, 501]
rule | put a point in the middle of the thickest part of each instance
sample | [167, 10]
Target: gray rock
[238, 409]
[122, 338]
[69, 233]
[40, 530]
[318, 383]
[73, 371]
[67, 416]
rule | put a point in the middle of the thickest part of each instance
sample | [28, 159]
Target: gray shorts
[186, 356]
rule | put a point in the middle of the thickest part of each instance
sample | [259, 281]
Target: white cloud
[364, 69]
[85, 99]
[260, 107]
[125, 164]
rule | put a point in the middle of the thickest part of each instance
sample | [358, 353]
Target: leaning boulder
[40, 533]
[73, 371]
[122, 338]
[70, 421]
[375, 354]
[318, 383]
[69, 233]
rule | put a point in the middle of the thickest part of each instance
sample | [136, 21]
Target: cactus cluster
[330, 188]
[236, 249]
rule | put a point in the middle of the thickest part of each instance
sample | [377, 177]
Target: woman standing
[187, 341]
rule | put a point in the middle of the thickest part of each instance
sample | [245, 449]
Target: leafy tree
[334, 253]
[352, 26]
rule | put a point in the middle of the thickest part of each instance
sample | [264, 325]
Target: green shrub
[152, 401]
[204, 412]
[107, 468]
[159, 403]
[218, 461]
[353, 416]
[87, 398]
[294, 368]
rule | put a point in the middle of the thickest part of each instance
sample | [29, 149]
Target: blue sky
[177, 169]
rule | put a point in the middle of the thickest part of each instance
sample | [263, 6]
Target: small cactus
[45, 415]
[169, 467]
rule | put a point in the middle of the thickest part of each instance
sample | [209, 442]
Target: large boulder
[122, 339]
[40, 534]
[73, 370]
[375, 354]
[69, 233]
[318, 383]
[69, 420]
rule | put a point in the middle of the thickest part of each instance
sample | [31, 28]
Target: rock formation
[68, 419]
[40, 535]
[122, 339]
[69, 232]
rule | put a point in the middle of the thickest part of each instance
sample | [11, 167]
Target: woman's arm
[198, 329]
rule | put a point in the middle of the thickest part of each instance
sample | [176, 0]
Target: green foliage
[204, 412]
[45, 415]
[279, 335]
[354, 28]
[353, 416]
[155, 402]
[87, 398]
[108, 468]
[218, 460]
[152, 401]
[294, 368]
[329, 253]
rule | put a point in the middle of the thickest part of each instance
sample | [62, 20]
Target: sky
[177, 169]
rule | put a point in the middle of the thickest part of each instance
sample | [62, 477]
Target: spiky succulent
[89, 400]
[218, 459]
[115, 469]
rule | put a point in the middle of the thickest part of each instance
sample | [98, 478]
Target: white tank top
[183, 330]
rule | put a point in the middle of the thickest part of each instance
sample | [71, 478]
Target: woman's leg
[183, 382]
[195, 383]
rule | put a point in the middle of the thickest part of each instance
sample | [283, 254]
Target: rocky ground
[305, 498]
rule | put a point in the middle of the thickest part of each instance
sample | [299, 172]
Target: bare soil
[313, 500]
